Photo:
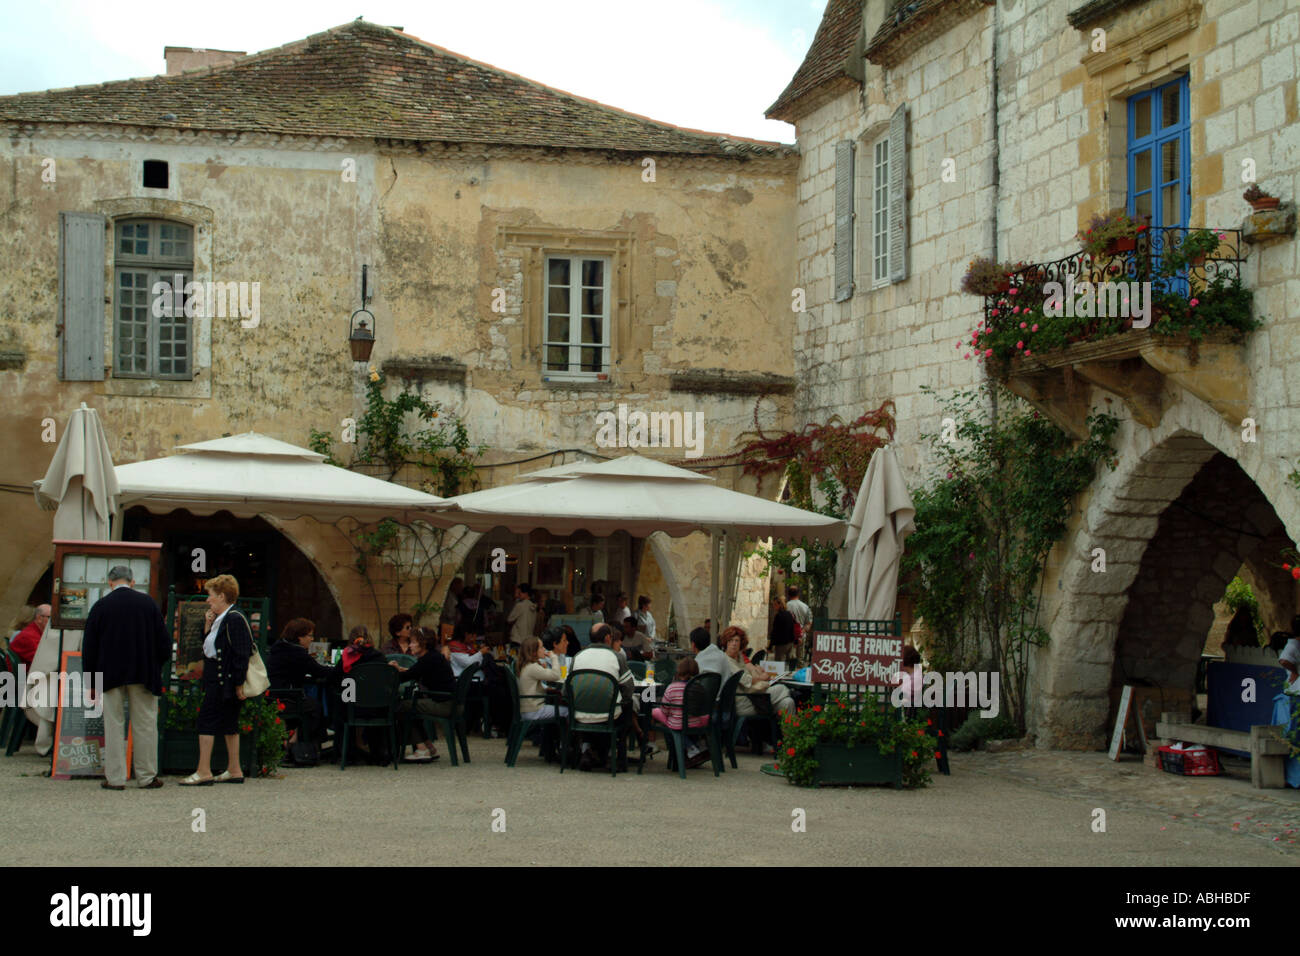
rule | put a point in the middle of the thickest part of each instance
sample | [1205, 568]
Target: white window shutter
[844, 220]
[81, 297]
[898, 163]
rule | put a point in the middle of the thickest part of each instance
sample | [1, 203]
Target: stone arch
[1071, 678]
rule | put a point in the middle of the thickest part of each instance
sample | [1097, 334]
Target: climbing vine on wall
[975, 564]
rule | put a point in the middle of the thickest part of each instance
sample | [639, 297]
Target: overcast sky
[709, 64]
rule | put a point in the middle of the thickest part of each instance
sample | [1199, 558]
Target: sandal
[194, 780]
[226, 777]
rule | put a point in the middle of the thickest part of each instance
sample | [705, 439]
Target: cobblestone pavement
[1031, 808]
[1224, 804]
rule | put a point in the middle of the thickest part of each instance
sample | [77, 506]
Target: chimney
[182, 58]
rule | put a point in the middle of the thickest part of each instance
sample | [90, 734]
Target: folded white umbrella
[252, 474]
[80, 486]
[882, 518]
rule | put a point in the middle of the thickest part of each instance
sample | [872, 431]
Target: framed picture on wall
[81, 575]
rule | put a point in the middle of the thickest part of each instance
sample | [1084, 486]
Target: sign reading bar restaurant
[842, 657]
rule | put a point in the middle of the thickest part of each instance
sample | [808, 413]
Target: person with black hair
[636, 644]
[290, 667]
[399, 632]
[709, 656]
[432, 671]
[598, 607]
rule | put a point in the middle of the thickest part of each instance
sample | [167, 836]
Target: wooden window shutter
[844, 220]
[898, 163]
[81, 297]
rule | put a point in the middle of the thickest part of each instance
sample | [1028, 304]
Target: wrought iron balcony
[1167, 305]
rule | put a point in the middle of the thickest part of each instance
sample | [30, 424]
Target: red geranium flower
[937, 755]
[941, 733]
[913, 753]
[279, 705]
[822, 720]
[789, 751]
[817, 708]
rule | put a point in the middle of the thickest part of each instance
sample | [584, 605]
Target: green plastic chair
[376, 690]
[592, 692]
[665, 670]
[637, 668]
[729, 722]
[453, 725]
[518, 726]
[406, 660]
[700, 699]
[13, 727]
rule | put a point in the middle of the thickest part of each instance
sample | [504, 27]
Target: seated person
[290, 667]
[26, 641]
[537, 665]
[463, 647]
[360, 649]
[754, 681]
[709, 656]
[399, 630]
[602, 655]
[636, 644]
[432, 671]
[671, 716]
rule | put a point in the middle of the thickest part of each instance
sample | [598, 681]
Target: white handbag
[256, 680]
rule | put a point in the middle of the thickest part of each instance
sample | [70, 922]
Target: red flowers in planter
[789, 751]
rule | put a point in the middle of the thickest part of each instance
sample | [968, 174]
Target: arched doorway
[1174, 523]
[264, 561]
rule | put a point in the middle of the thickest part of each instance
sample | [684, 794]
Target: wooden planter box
[840, 765]
[178, 752]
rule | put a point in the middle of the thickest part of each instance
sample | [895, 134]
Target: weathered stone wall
[706, 254]
[1059, 158]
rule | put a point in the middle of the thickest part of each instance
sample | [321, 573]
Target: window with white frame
[152, 337]
[880, 211]
[577, 316]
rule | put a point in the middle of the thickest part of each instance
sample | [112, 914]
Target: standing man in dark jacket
[127, 641]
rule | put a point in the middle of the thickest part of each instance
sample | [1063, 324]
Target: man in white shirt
[709, 657]
[599, 655]
[621, 610]
[598, 608]
[523, 616]
[802, 612]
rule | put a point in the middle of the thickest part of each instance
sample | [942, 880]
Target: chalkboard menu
[79, 727]
[190, 629]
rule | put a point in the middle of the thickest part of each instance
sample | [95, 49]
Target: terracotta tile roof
[910, 24]
[830, 59]
[369, 81]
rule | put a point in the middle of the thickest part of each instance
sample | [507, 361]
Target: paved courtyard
[996, 809]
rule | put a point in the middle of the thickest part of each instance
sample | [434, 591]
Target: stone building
[531, 258]
[934, 131]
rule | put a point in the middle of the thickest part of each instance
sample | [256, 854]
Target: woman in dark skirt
[226, 651]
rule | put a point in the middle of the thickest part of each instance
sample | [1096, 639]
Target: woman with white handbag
[227, 650]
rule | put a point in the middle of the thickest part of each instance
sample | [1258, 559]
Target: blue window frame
[1159, 170]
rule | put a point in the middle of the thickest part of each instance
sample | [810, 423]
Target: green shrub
[978, 729]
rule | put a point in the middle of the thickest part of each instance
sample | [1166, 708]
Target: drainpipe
[996, 177]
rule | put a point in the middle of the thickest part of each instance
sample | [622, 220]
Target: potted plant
[1197, 244]
[986, 277]
[848, 741]
[261, 740]
[1111, 233]
[1259, 199]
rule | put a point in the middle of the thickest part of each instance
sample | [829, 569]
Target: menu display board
[79, 726]
[81, 575]
[189, 630]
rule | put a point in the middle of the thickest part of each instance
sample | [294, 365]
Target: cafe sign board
[845, 657]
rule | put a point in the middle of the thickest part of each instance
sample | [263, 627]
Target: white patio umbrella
[252, 474]
[80, 486]
[640, 496]
[882, 519]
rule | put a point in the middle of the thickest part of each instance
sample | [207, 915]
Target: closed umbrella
[80, 486]
[882, 518]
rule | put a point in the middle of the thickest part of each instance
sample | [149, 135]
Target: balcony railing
[1193, 309]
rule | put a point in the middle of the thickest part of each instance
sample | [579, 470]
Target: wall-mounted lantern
[361, 327]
